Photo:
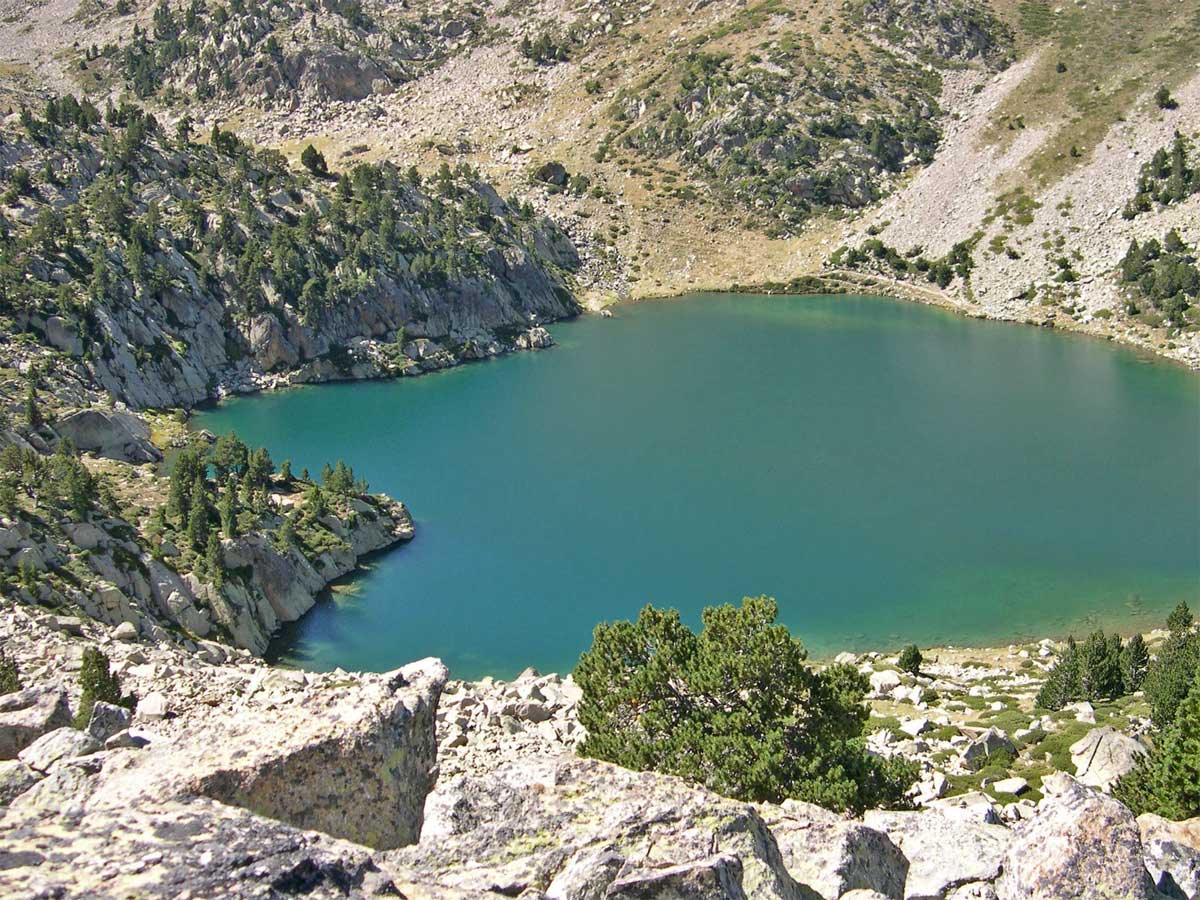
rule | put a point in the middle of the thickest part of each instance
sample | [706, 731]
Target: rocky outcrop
[175, 848]
[546, 823]
[948, 849]
[28, 714]
[355, 763]
[115, 434]
[833, 855]
[1081, 844]
[1171, 851]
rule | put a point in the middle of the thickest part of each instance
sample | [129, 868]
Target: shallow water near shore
[889, 472]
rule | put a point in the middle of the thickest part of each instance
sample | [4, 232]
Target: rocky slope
[165, 272]
[183, 796]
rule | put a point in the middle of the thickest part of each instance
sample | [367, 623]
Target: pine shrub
[911, 659]
[735, 707]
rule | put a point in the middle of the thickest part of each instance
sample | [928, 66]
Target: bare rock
[1103, 755]
[992, 741]
[1171, 851]
[56, 747]
[15, 779]
[107, 719]
[355, 763]
[111, 433]
[28, 714]
[1081, 844]
[946, 848]
[833, 855]
[716, 878]
[192, 848]
[534, 821]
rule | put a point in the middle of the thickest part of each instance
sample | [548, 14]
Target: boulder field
[236, 779]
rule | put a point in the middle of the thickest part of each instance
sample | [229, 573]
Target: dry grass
[1114, 52]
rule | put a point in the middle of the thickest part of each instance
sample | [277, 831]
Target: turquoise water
[889, 472]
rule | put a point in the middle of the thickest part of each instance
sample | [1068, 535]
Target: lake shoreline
[835, 282]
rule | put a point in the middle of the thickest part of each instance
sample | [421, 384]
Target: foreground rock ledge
[354, 762]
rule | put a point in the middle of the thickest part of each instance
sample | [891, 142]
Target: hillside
[201, 198]
[705, 145]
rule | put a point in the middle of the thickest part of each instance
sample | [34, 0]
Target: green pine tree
[735, 707]
[911, 659]
[10, 675]
[98, 684]
[1135, 660]
[1167, 781]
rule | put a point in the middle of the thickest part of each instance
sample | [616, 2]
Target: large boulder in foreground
[1081, 844]
[947, 848]
[574, 828]
[28, 714]
[177, 848]
[1171, 851]
[834, 855]
[354, 762]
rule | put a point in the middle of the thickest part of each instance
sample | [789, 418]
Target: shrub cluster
[1163, 275]
[735, 707]
[1170, 176]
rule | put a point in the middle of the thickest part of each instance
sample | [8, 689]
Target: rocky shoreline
[235, 778]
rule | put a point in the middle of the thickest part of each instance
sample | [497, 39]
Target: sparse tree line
[1171, 176]
[1104, 667]
[1161, 275]
[257, 234]
[957, 263]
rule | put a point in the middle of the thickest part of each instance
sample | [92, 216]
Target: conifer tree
[1167, 781]
[1135, 660]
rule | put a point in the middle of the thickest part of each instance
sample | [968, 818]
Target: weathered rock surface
[108, 432]
[15, 779]
[1103, 755]
[354, 763]
[172, 849]
[28, 714]
[947, 848]
[106, 720]
[530, 822]
[1171, 851]
[833, 855]
[57, 746]
[1081, 844]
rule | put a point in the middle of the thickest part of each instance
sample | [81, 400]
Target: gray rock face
[110, 433]
[833, 855]
[107, 719]
[1171, 851]
[1103, 755]
[1081, 844]
[56, 747]
[716, 878]
[545, 824]
[28, 714]
[990, 742]
[15, 779]
[946, 848]
[356, 765]
[176, 847]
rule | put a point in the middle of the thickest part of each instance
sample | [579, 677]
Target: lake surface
[889, 472]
